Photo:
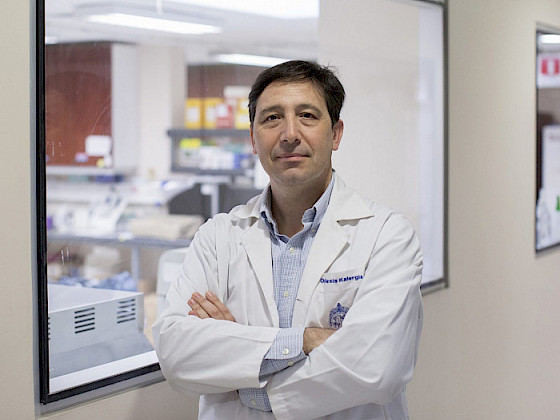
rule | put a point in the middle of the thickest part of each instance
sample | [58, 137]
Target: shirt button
[292, 249]
[253, 402]
[286, 294]
[290, 363]
[286, 351]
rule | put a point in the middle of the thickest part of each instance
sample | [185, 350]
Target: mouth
[291, 156]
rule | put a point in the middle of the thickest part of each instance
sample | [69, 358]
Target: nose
[290, 132]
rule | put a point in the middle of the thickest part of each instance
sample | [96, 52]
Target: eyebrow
[299, 108]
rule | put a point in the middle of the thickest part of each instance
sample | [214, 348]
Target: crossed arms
[209, 306]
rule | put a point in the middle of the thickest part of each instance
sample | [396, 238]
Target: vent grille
[84, 320]
[126, 310]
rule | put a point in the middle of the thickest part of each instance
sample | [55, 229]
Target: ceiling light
[285, 9]
[250, 60]
[153, 23]
[549, 39]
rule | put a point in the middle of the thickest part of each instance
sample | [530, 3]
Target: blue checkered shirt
[289, 256]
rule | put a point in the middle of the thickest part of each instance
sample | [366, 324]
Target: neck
[289, 204]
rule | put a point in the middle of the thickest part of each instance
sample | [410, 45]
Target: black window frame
[150, 373]
[140, 376]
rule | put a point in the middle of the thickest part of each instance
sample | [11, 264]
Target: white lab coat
[370, 262]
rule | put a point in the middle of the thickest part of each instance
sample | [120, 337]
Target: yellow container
[193, 113]
[242, 114]
[209, 112]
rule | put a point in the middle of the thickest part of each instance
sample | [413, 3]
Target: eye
[272, 117]
[307, 115]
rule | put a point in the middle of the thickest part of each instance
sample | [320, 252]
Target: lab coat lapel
[256, 242]
[327, 245]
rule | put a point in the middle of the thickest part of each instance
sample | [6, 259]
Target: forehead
[285, 94]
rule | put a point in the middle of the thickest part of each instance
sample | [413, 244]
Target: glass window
[145, 135]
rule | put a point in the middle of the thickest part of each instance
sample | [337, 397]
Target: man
[305, 302]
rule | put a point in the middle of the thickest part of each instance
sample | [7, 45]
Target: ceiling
[247, 32]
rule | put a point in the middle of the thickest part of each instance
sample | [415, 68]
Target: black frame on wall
[547, 117]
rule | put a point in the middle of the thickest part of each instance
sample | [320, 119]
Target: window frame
[149, 374]
[443, 282]
[541, 29]
[85, 392]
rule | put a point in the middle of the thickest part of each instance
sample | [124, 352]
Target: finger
[207, 306]
[197, 310]
[226, 314]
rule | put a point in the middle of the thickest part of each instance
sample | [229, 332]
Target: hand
[209, 306]
[314, 337]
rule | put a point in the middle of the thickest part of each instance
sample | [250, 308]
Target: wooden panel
[207, 81]
[78, 100]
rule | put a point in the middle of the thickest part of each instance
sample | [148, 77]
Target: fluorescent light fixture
[154, 24]
[549, 39]
[283, 9]
[251, 60]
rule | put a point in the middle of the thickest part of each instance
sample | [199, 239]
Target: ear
[252, 140]
[338, 128]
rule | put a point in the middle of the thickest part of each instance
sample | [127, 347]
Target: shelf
[124, 239]
[179, 133]
[59, 170]
[213, 172]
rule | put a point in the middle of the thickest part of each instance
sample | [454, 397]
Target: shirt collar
[312, 217]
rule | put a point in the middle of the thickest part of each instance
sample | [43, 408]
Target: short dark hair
[322, 78]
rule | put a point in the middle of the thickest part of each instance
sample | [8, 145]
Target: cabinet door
[78, 100]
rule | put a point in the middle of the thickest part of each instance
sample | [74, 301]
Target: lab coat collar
[345, 204]
[331, 238]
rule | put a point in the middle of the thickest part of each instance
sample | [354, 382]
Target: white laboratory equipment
[90, 327]
[169, 268]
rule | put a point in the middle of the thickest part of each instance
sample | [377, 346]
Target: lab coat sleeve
[370, 359]
[205, 356]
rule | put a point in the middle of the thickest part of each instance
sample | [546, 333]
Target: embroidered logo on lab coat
[336, 316]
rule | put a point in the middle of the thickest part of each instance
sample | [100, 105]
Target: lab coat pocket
[339, 290]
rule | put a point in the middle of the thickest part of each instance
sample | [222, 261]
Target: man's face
[293, 135]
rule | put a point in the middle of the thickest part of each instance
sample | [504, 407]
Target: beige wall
[16, 351]
[490, 343]
[16, 256]
[490, 346]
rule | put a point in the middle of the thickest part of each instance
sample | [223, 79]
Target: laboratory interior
[126, 127]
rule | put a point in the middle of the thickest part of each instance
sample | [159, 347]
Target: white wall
[389, 60]
[373, 45]
[490, 342]
[163, 91]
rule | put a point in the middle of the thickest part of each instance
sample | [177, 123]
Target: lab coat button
[286, 351]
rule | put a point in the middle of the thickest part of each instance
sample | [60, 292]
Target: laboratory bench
[123, 239]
